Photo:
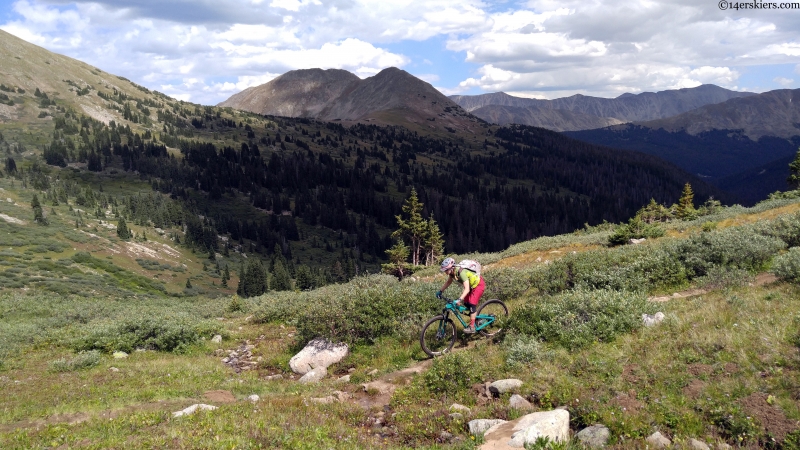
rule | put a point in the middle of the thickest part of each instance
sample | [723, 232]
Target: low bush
[168, 334]
[360, 311]
[734, 247]
[724, 278]
[522, 350]
[453, 373]
[82, 360]
[578, 318]
[787, 266]
[636, 228]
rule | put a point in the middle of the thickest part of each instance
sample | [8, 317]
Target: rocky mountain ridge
[625, 108]
[393, 96]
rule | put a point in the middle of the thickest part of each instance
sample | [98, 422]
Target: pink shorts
[475, 294]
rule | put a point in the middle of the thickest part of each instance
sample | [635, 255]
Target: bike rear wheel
[496, 309]
[438, 336]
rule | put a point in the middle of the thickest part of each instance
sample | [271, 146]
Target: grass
[723, 366]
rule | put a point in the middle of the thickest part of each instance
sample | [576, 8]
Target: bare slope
[392, 96]
[552, 119]
[299, 93]
[773, 113]
[625, 108]
[26, 67]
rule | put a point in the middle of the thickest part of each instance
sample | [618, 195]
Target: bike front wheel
[493, 310]
[438, 336]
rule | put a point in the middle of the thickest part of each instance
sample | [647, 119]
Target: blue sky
[207, 50]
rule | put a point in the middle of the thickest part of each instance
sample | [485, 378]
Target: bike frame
[457, 311]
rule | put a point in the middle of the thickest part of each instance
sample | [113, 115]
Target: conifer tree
[685, 208]
[413, 227]
[188, 283]
[794, 171]
[38, 214]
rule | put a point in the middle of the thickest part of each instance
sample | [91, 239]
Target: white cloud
[783, 81]
[543, 48]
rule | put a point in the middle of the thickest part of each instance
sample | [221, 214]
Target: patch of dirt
[771, 418]
[760, 280]
[139, 250]
[219, 396]
[627, 402]
[98, 113]
[694, 388]
[730, 368]
[630, 373]
[698, 369]
[13, 220]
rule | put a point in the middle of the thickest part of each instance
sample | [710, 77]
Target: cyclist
[472, 292]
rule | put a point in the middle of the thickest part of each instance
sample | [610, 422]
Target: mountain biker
[472, 292]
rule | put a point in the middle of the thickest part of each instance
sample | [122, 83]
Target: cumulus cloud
[783, 81]
[205, 50]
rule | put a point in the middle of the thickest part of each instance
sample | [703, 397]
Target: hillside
[552, 119]
[321, 196]
[773, 113]
[391, 97]
[625, 108]
[95, 371]
[714, 155]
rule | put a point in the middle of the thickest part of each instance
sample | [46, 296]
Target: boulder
[503, 386]
[318, 353]
[478, 427]
[595, 436]
[455, 407]
[344, 379]
[518, 402]
[658, 440]
[192, 409]
[550, 424]
[314, 376]
[217, 339]
[694, 444]
[254, 398]
[652, 320]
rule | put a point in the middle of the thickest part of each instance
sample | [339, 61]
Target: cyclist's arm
[446, 283]
[465, 292]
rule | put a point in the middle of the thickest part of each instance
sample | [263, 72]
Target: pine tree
[188, 283]
[794, 171]
[685, 208]
[433, 242]
[38, 214]
[412, 228]
[281, 281]
[398, 255]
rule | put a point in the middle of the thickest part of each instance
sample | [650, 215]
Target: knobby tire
[432, 345]
[499, 310]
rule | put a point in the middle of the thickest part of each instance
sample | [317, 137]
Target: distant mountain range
[581, 112]
[391, 97]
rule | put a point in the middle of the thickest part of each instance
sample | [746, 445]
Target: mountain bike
[439, 334]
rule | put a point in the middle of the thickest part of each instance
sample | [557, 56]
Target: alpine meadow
[257, 274]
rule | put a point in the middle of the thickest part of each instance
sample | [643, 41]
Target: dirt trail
[761, 280]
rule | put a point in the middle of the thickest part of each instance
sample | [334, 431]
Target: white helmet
[447, 263]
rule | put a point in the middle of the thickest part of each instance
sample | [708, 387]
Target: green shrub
[82, 360]
[724, 277]
[168, 334]
[636, 228]
[359, 311]
[453, 373]
[506, 283]
[735, 247]
[734, 424]
[787, 266]
[578, 318]
[523, 350]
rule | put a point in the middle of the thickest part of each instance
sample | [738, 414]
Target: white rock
[637, 241]
[314, 376]
[503, 386]
[372, 373]
[652, 320]
[318, 353]
[479, 426]
[658, 440]
[114, 369]
[518, 402]
[455, 407]
[274, 377]
[254, 398]
[192, 409]
[344, 379]
[550, 424]
[595, 436]
[119, 355]
[217, 339]
[694, 444]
